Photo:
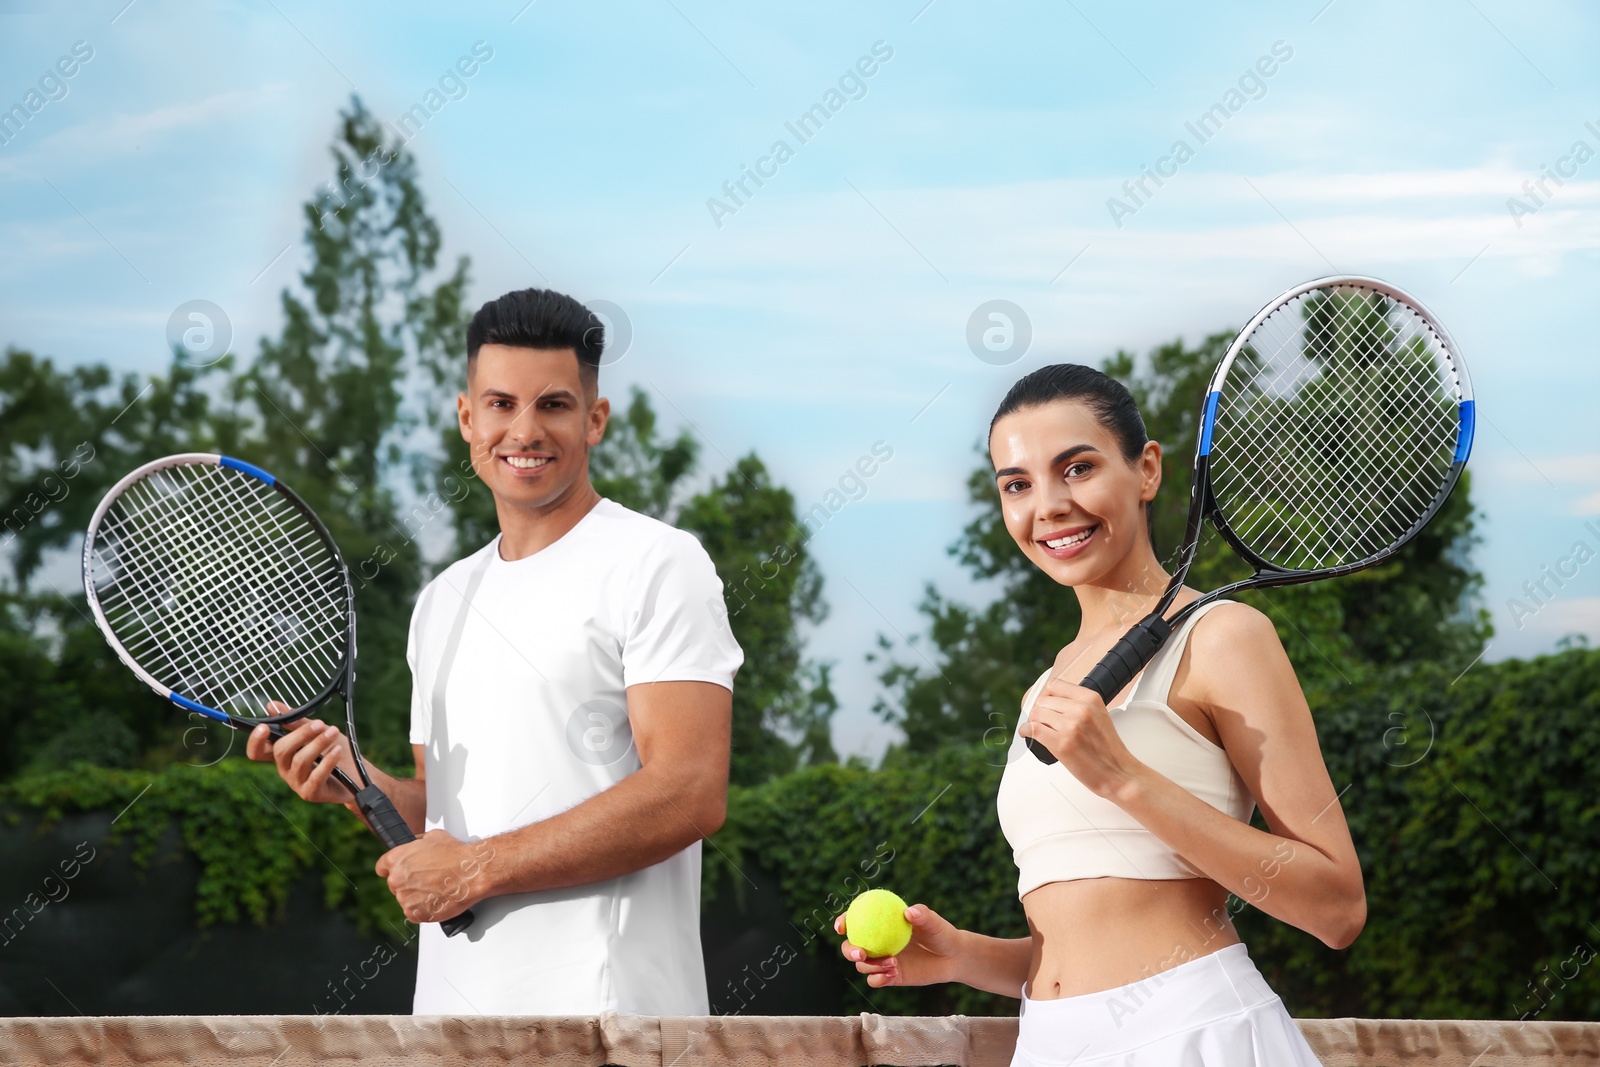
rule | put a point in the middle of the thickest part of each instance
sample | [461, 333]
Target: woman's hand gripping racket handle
[1112, 674]
[387, 822]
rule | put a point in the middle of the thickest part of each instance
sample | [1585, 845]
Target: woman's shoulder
[1231, 636]
[1233, 618]
[1230, 641]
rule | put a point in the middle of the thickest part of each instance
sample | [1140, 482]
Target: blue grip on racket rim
[249, 468]
[1207, 420]
[1464, 436]
[189, 705]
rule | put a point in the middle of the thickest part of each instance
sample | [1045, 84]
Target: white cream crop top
[1059, 830]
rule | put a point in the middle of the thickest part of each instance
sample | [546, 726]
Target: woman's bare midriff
[1092, 934]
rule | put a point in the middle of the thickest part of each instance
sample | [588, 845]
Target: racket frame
[1144, 638]
[1203, 503]
[378, 809]
[342, 680]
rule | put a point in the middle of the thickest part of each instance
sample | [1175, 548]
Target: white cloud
[1496, 183]
[1560, 617]
[1581, 469]
[110, 136]
[1027, 231]
[1201, 258]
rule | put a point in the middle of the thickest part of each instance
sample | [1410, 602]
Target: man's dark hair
[540, 318]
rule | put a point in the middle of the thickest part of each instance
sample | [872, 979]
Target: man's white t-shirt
[520, 671]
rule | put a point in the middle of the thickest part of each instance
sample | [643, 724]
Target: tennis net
[709, 1041]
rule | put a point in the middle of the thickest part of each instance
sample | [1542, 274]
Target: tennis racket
[223, 592]
[1332, 431]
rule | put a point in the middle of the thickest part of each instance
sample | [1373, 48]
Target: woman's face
[1074, 506]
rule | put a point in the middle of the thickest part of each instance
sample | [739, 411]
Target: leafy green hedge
[1473, 804]
[928, 831]
[253, 838]
[1475, 808]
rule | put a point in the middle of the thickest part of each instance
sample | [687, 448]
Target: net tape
[712, 1041]
[220, 589]
[1335, 430]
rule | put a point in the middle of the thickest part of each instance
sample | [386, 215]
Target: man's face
[528, 423]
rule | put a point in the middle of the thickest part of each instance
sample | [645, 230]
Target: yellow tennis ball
[877, 922]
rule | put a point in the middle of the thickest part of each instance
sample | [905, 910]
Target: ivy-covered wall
[1473, 803]
[190, 901]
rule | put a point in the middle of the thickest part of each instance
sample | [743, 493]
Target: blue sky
[830, 310]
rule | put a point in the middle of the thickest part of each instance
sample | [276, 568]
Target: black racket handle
[390, 827]
[1112, 674]
[392, 830]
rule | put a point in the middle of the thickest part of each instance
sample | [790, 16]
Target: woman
[1128, 848]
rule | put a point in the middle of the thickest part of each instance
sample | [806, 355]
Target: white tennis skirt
[1214, 1011]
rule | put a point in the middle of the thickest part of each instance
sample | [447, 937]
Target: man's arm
[683, 731]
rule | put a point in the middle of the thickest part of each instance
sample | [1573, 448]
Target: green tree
[370, 352]
[353, 374]
[329, 405]
[1471, 802]
[67, 434]
[64, 697]
[771, 585]
[637, 470]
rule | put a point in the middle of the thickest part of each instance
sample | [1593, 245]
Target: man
[571, 712]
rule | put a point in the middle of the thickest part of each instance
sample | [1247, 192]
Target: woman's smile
[1067, 543]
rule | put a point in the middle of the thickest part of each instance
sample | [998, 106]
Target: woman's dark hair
[1109, 399]
[540, 318]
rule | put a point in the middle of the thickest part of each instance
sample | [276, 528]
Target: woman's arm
[1305, 872]
[994, 964]
[939, 952]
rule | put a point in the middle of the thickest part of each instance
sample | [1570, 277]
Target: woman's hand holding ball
[896, 945]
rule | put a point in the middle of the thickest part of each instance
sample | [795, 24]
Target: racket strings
[325, 601]
[1336, 429]
[1378, 478]
[153, 502]
[159, 514]
[221, 589]
[180, 648]
[1344, 512]
[1350, 524]
[198, 664]
[255, 571]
